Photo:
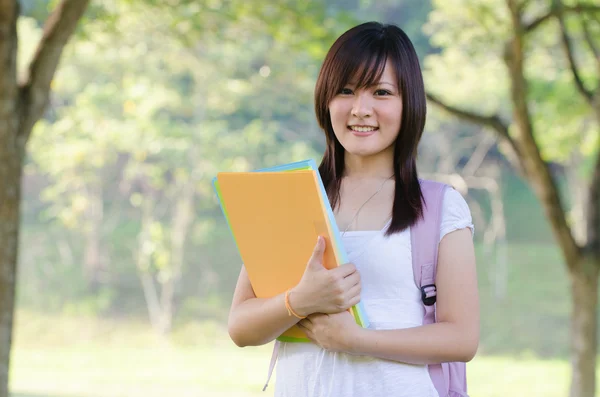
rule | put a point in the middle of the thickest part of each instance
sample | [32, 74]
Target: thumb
[316, 259]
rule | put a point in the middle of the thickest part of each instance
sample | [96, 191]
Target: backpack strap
[425, 239]
[274, 356]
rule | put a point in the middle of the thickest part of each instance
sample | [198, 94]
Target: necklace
[363, 204]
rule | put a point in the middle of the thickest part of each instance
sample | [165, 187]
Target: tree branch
[588, 38]
[479, 154]
[538, 171]
[554, 11]
[35, 92]
[464, 183]
[523, 5]
[494, 122]
[568, 49]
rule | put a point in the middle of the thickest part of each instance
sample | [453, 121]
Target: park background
[126, 267]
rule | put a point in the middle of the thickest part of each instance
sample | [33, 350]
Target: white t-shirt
[392, 301]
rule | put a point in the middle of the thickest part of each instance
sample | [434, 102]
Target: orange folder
[275, 218]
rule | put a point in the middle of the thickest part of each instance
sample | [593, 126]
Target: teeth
[363, 129]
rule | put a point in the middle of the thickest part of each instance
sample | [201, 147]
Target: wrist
[298, 302]
[352, 341]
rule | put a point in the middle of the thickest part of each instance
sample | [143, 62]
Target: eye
[382, 92]
[345, 91]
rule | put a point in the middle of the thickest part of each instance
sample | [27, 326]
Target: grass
[523, 349]
[534, 314]
[68, 357]
[225, 371]
[222, 370]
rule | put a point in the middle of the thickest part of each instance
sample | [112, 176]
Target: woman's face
[366, 121]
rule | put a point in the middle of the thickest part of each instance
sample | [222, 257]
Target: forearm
[428, 344]
[258, 321]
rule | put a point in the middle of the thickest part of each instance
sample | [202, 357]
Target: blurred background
[126, 266]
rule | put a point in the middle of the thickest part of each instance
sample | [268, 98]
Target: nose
[362, 106]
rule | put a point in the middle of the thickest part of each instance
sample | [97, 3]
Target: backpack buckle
[428, 294]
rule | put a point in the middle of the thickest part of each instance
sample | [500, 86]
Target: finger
[316, 259]
[353, 293]
[309, 335]
[353, 298]
[350, 281]
[306, 326]
[345, 270]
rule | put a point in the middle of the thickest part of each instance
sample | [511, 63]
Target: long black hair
[362, 53]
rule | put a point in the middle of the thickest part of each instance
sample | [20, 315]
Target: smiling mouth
[362, 130]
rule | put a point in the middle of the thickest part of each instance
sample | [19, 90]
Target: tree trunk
[578, 189]
[21, 106]
[182, 219]
[144, 262]
[11, 158]
[584, 344]
[10, 196]
[581, 254]
[94, 262]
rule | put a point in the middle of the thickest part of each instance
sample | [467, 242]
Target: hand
[333, 332]
[324, 290]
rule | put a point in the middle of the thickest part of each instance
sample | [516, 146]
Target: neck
[372, 167]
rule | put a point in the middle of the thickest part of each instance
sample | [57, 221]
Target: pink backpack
[450, 379]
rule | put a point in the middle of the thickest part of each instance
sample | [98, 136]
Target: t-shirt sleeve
[455, 213]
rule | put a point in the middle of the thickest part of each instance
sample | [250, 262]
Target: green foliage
[138, 114]
[152, 99]
[470, 70]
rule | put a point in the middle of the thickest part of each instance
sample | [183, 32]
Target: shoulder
[454, 201]
[455, 213]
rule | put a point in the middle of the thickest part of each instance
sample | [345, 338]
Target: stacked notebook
[275, 215]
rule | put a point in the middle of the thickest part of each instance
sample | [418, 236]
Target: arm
[255, 321]
[454, 337]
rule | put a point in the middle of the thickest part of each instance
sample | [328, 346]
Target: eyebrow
[353, 83]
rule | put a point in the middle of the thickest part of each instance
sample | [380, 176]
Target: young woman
[370, 102]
